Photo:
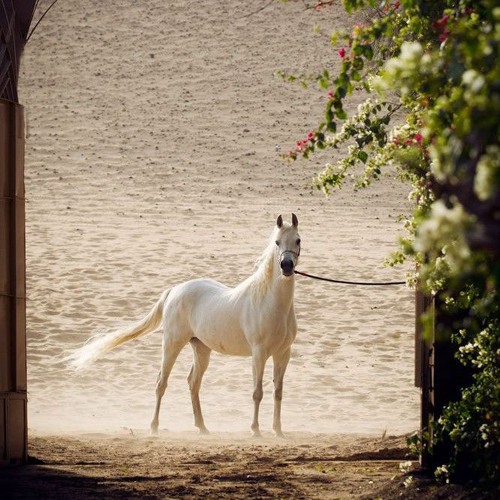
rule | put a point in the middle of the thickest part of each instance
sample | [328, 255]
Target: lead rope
[344, 282]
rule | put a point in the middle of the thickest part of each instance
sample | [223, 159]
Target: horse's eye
[298, 241]
[277, 243]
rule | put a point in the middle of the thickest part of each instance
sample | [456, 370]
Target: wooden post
[13, 383]
[424, 364]
[15, 20]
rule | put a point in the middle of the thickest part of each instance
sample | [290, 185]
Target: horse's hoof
[153, 431]
[204, 431]
[256, 435]
[279, 435]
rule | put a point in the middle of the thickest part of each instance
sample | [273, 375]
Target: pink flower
[440, 24]
[310, 136]
[341, 53]
[418, 138]
[331, 94]
[444, 36]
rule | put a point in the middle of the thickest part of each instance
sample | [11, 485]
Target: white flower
[405, 466]
[411, 52]
[466, 349]
[487, 177]
[484, 434]
[473, 80]
[441, 473]
[407, 482]
[444, 233]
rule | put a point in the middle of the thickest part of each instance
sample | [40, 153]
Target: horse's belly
[221, 331]
[227, 342]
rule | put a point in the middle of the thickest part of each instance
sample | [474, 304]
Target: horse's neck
[282, 291]
[271, 284]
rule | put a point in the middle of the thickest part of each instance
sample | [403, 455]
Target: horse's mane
[258, 283]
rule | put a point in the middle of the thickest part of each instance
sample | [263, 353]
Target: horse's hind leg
[201, 358]
[170, 353]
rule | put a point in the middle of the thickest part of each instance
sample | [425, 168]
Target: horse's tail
[101, 344]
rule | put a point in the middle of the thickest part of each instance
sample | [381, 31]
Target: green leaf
[328, 116]
[368, 52]
[332, 127]
[357, 50]
[341, 92]
[357, 63]
[341, 114]
[363, 156]
[324, 83]
[356, 76]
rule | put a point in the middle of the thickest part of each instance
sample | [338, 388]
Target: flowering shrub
[435, 63]
[472, 424]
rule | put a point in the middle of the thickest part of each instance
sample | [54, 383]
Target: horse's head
[288, 242]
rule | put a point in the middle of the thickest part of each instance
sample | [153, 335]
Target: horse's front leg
[280, 363]
[258, 364]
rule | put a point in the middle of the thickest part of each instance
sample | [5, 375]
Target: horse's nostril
[286, 265]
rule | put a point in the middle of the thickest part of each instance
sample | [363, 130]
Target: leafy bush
[437, 64]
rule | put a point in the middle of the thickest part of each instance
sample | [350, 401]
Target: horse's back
[200, 289]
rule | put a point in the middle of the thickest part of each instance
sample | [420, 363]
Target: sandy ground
[131, 464]
[154, 131]
[183, 465]
[151, 159]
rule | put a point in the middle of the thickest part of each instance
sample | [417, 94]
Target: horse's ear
[295, 221]
[279, 222]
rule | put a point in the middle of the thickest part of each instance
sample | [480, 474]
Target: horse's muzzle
[287, 266]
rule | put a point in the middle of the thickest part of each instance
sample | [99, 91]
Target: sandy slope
[151, 159]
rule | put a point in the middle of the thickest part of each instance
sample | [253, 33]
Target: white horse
[256, 319]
